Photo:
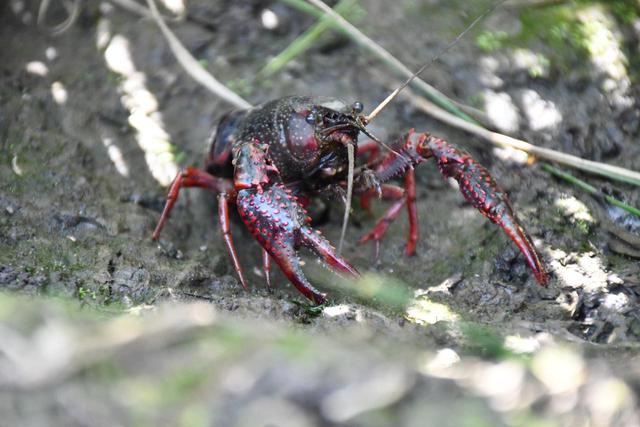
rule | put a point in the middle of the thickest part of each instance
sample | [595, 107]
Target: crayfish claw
[290, 264]
[322, 247]
[279, 223]
[509, 223]
[481, 190]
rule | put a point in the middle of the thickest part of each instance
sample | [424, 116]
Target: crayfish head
[335, 122]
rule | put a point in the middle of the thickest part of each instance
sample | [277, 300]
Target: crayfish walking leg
[194, 177]
[400, 197]
[189, 177]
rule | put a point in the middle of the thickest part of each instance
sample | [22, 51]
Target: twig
[609, 171]
[192, 66]
[590, 189]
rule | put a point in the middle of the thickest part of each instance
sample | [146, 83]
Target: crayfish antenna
[429, 63]
[347, 206]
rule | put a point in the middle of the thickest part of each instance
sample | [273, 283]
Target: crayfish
[267, 162]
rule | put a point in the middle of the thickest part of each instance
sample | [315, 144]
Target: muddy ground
[94, 123]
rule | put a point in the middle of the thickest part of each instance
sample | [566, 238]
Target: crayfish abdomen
[268, 161]
[219, 161]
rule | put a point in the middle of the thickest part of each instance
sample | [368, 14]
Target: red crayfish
[268, 161]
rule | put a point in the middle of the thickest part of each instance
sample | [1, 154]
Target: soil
[82, 186]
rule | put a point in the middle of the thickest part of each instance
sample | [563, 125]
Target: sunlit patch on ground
[103, 27]
[604, 47]
[501, 110]
[502, 383]
[536, 64]
[115, 154]
[142, 106]
[59, 93]
[269, 19]
[37, 68]
[175, 6]
[540, 113]
[584, 270]
[575, 209]
[336, 310]
[423, 311]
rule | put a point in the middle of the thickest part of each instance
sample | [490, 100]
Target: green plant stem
[305, 40]
[305, 7]
[590, 189]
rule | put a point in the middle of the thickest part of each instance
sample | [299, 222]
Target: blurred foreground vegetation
[190, 365]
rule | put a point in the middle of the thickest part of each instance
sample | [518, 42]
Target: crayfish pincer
[267, 162]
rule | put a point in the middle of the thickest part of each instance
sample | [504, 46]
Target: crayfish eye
[311, 118]
[357, 107]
